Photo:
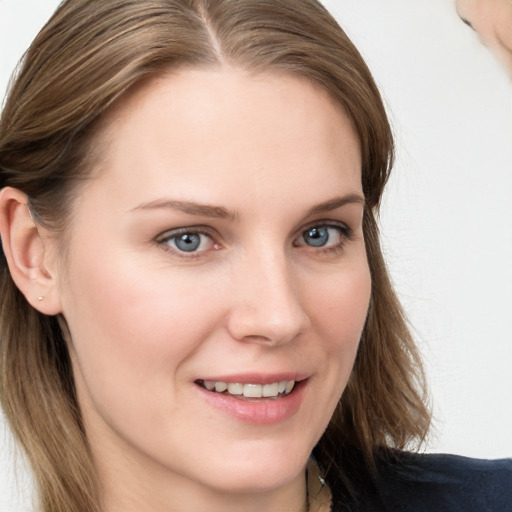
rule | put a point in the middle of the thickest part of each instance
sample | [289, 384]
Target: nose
[266, 306]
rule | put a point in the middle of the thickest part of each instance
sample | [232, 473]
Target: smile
[239, 390]
[255, 399]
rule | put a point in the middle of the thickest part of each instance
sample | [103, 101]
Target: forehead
[228, 127]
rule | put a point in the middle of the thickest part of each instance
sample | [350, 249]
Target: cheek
[340, 307]
[338, 311]
[340, 316]
[132, 325]
[134, 329]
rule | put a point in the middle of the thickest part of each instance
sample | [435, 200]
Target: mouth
[249, 391]
[255, 399]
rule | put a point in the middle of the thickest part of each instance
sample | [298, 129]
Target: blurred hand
[492, 20]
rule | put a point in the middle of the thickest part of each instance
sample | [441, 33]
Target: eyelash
[164, 239]
[344, 231]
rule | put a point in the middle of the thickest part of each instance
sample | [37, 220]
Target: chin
[262, 468]
[255, 479]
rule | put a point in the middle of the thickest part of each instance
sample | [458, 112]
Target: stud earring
[40, 298]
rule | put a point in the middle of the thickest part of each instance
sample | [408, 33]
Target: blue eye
[324, 236]
[189, 241]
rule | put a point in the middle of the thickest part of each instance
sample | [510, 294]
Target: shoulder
[439, 482]
[410, 482]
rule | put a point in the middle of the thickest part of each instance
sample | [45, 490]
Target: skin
[492, 20]
[147, 321]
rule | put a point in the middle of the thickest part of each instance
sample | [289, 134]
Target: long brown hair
[86, 58]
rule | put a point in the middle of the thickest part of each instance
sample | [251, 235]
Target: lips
[255, 399]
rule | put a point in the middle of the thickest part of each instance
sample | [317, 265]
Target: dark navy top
[433, 483]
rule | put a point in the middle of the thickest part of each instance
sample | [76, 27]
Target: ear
[30, 261]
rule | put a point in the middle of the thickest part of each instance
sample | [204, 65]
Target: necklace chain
[318, 492]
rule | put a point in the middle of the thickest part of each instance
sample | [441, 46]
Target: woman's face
[220, 245]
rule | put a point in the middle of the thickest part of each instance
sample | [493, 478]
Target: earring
[40, 298]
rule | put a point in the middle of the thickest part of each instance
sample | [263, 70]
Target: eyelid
[345, 234]
[341, 226]
[170, 233]
[165, 236]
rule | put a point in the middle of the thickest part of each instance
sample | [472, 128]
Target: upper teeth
[251, 390]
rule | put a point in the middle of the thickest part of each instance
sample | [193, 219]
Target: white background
[447, 216]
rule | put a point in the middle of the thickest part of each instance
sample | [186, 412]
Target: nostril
[273, 328]
[267, 306]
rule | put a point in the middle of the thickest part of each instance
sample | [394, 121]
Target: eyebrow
[337, 202]
[190, 207]
[219, 212]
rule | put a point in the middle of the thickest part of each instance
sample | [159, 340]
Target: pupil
[188, 242]
[317, 237]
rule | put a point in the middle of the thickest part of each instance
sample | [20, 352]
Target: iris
[188, 242]
[316, 237]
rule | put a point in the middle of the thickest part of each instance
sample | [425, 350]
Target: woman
[196, 314]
